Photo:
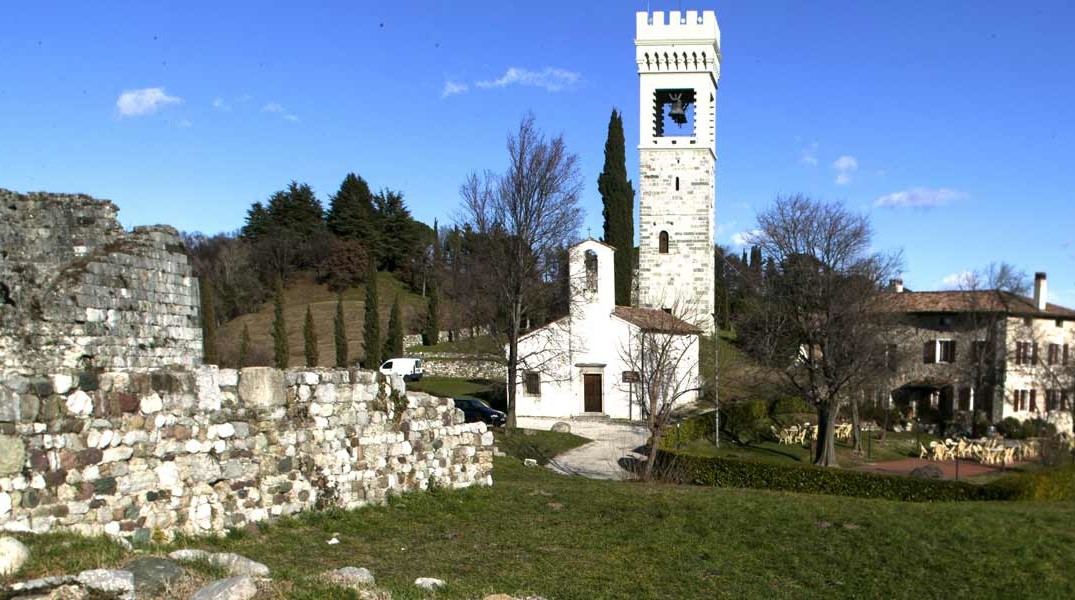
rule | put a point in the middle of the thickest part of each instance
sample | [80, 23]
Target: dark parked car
[476, 410]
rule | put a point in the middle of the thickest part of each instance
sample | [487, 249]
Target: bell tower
[678, 69]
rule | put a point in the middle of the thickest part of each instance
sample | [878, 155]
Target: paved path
[599, 459]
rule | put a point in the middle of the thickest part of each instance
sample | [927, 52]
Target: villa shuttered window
[939, 351]
[1052, 400]
[964, 398]
[1053, 354]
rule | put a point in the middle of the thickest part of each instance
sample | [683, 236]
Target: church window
[662, 243]
[532, 383]
[591, 271]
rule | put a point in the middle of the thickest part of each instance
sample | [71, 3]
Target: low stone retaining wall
[466, 366]
[141, 454]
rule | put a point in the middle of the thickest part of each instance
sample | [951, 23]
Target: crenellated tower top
[683, 42]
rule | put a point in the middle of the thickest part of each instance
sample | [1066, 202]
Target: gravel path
[599, 459]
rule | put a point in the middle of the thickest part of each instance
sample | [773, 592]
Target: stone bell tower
[678, 69]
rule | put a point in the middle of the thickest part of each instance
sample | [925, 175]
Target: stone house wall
[141, 453]
[466, 366]
[79, 290]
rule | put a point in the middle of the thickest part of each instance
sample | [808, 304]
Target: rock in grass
[189, 555]
[429, 583]
[928, 472]
[232, 588]
[352, 577]
[13, 555]
[239, 565]
[561, 427]
[529, 462]
[153, 575]
[109, 581]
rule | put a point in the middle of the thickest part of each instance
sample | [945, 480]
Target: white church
[591, 361]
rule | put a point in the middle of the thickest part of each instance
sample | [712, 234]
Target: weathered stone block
[12, 455]
[262, 387]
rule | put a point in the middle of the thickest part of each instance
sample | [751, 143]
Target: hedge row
[725, 472]
[1044, 485]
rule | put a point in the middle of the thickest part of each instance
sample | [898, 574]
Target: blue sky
[950, 123]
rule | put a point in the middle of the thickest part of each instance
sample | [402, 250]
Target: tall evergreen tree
[340, 327]
[617, 196]
[279, 328]
[309, 334]
[393, 341]
[209, 346]
[431, 331]
[351, 214]
[371, 328]
[399, 232]
[244, 346]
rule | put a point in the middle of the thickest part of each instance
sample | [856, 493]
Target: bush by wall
[724, 472]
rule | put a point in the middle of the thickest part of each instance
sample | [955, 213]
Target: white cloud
[220, 104]
[961, 280]
[452, 88]
[845, 167]
[743, 238]
[920, 198]
[550, 78]
[277, 109]
[146, 101]
[808, 155]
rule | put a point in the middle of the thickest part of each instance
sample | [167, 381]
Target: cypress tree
[309, 334]
[371, 328]
[393, 342]
[617, 197]
[244, 345]
[209, 347]
[279, 328]
[340, 326]
[431, 332]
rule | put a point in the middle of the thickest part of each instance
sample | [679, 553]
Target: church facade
[599, 358]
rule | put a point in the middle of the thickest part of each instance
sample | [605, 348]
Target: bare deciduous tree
[818, 319]
[527, 215]
[664, 353]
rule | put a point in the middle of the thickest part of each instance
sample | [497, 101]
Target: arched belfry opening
[590, 261]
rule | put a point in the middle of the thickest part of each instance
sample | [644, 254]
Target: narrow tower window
[677, 184]
[662, 243]
[591, 271]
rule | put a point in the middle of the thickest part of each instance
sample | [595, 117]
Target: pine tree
[617, 196]
[340, 327]
[393, 341]
[398, 230]
[309, 334]
[351, 215]
[279, 328]
[209, 347]
[244, 345]
[371, 328]
[431, 331]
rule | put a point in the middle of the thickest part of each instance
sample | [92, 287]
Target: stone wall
[142, 453]
[467, 366]
[76, 289]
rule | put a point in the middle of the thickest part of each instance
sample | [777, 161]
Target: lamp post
[716, 382]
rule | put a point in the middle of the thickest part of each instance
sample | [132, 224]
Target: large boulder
[561, 427]
[928, 472]
[13, 554]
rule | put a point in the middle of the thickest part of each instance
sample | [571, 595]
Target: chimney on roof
[896, 285]
[1041, 291]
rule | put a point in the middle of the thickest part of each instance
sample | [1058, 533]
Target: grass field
[304, 291]
[540, 533]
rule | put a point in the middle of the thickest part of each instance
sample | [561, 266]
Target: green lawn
[535, 532]
[452, 387]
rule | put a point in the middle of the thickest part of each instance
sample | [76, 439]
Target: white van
[408, 368]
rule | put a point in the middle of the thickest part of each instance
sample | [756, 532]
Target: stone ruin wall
[108, 423]
[76, 289]
[150, 453]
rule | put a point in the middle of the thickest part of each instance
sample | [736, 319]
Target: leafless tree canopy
[818, 318]
[527, 215]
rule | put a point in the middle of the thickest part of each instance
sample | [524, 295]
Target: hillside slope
[304, 291]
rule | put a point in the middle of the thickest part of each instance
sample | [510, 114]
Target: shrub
[1010, 428]
[723, 472]
[686, 431]
[345, 265]
[790, 405]
[745, 421]
[1045, 485]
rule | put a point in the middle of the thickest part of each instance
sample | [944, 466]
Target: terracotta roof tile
[651, 319]
[995, 301]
